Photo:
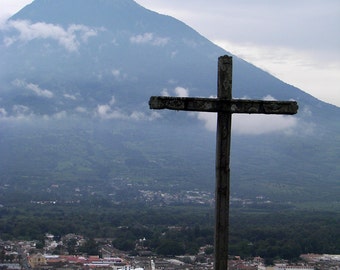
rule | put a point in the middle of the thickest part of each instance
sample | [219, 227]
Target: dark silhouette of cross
[225, 106]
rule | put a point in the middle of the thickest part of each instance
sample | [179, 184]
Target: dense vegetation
[77, 153]
[179, 230]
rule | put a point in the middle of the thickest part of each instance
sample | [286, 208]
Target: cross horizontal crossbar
[223, 105]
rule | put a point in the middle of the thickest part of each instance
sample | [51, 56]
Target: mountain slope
[75, 80]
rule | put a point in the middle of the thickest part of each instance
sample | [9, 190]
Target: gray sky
[298, 41]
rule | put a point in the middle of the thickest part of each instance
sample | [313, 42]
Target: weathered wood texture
[222, 188]
[225, 106]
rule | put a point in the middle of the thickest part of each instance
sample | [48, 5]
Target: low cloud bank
[70, 38]
[111, 111]
[34, 88]
[150, 39]
[254, 124]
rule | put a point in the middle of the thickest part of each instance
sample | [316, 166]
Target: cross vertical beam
[222, 191]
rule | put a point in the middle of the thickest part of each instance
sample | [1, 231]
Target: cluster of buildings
[145, 195]
[322, 261]
[197, 197]
[46, 261]
[186, 197]
[27, 255]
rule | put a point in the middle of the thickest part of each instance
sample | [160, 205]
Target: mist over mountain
[75, 80]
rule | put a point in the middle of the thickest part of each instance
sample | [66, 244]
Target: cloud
[18, 112]
[60, 115]
[56, 116]
[181, 91]
[260, 124]
[149, 38]
[21, 110]
[312, 70]
[136, 115]
[112, 101]
[190, 43]
[305, 55]
[118, 75]
[80, 109]
[173, 54]
[248, 20]
[69, 38]
[209, 119]
[84, 31]
[68, 96]
[109, 111]
[178, 91]
[106, 112]
[254, 124]
[3, 112]
[34, 88]
[165, 93]
[38, 91]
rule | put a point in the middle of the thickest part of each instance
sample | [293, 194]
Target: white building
[285, 267]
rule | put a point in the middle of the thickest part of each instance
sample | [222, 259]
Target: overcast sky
[298, 41]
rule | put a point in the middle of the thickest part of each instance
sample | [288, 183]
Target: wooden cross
[225, 106]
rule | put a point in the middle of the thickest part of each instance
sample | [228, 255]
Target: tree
[170, 248]
[71, 246]
[124, 244]
[90, 247]
[2, 255]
